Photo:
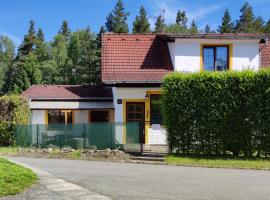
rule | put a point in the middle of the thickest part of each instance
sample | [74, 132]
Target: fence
[80, 136]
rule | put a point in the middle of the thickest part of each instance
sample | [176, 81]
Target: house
[133, 66]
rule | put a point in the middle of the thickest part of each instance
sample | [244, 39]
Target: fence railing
[80, 136]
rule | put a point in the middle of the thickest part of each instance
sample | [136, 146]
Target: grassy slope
[219, 162]
[14, 178]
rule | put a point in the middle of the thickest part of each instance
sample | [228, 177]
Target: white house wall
[69, 105]
[38, 116]
[185, 53]
[81, 116]
[154, 136]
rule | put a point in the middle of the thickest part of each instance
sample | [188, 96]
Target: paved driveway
[126, 181]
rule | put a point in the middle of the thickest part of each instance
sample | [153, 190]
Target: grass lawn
[14, 178]
[243, 163]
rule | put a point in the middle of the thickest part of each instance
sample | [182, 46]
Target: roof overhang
[232, 36]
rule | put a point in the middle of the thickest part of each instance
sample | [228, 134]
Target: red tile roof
[134, 58]
[265, 55]
[67, 92]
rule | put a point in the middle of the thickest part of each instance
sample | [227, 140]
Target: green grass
[239, 163]
[14, 178]
[8, 150]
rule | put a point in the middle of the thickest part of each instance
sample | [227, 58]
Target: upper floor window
[216, 58]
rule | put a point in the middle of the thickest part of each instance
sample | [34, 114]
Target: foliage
[7, 51]
[181, 19]
[217, 113]
[227, 26]
[222, 162]
[84, 57]
[245, 24]
[193, 27]
[141, 24]
[117, 19]
[159, 25]
[175, 28]
[13, 110]
[14, 178]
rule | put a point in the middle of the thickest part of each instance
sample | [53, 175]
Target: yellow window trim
[64, 111]
[221, 44]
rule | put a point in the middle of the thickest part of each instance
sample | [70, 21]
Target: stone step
[147, 158]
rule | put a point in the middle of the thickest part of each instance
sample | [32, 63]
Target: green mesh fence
[80, 136]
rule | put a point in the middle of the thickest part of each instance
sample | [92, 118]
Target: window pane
[155, 112]
[221, 58]
[208, 59]
[56, 117]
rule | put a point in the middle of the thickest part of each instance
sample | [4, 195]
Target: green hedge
[217, 113]
[13, 111]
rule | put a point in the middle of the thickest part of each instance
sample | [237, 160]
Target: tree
[117, 19]
[181, 19]
[41, 47]
[82, 51]
[207, 29]
[245, 24]
[159, 25]
[29, 42]
[193, 28]
[59, 56]
[141, 24]
[102, 30]
[227, 26]
[267, 27]
[175, 28]
[7, 49]
[259, 25]
[64, 30]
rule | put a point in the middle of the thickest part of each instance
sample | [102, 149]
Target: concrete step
[147, 158]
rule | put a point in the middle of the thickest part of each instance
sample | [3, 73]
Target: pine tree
[193, 28]
[207, 29]
[102, 30]
[141, 24]
[267, 27]
[245, 24]
[159, 25]
[259, 25]
[117, 19]
[64, 30]
[227, 26]
[29, 42]
[82, 51]
[41, 47]
[181, 18]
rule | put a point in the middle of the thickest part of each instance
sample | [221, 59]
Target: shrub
[13, 111]
[218, 112]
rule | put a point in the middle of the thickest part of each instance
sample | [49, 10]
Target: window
[59, 117]
[99, 116]
[155, 109]
[216, 58]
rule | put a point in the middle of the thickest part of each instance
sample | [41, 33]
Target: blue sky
[49, 14]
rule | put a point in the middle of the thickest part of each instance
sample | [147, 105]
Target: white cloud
[17, 41]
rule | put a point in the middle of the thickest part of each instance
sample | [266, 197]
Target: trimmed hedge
[13, 111]
[218, 113]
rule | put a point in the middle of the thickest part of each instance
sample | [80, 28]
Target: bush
[13, 111]
[215, 113]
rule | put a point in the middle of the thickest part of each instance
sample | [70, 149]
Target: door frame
[142, 127]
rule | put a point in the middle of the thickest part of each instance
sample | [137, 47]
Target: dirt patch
[69, 153]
